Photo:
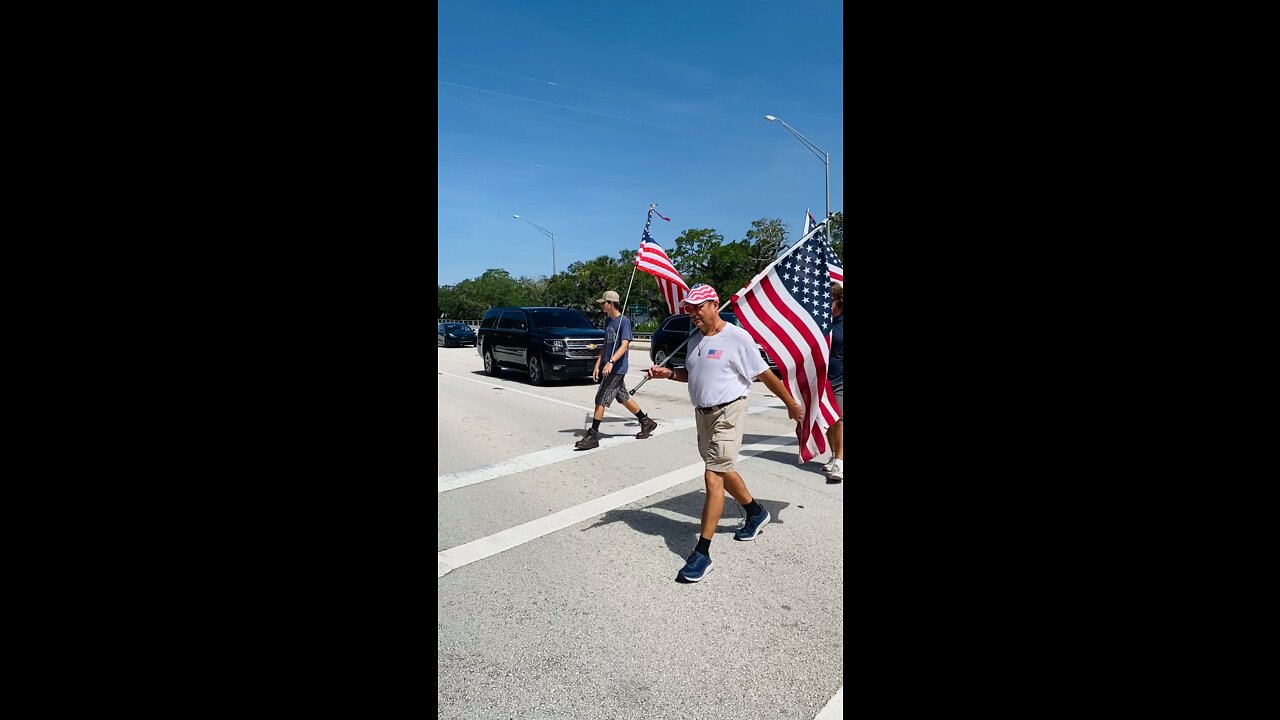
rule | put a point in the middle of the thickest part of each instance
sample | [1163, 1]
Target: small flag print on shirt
[714, 354]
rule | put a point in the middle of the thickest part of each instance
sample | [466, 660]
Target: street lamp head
[817, 152]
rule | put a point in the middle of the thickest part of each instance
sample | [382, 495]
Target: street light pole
[549, 234]
[826, 159]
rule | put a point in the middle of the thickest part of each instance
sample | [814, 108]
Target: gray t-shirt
[721, 367]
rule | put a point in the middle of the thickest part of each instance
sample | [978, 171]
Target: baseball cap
[699, 294]
[609, 295]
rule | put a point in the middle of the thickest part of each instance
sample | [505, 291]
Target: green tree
[700, 254]
[730, 268]
[837, 234]
[692, 253]
[450, 303]
[768, 236]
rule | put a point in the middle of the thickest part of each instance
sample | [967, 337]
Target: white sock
[839, 464]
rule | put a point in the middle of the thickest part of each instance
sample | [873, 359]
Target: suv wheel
[537, 371]
[659, 357]
[490, 365]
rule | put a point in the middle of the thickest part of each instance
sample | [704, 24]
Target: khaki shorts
[839, 391]
[720, 435]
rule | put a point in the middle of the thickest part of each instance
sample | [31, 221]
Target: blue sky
[577, 115]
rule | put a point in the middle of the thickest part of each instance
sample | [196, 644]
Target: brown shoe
[647, 427]
[588, 441]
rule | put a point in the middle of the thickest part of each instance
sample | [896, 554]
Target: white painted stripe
[834, 709]
[542, 458]
[456, 557]
[508, 388]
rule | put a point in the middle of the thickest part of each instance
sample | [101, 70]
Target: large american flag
[653, 260]
[787, 309]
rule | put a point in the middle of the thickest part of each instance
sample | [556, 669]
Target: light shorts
[839, 391]
[612, 386]
[720, 435]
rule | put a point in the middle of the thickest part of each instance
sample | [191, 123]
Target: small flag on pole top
[653, 260]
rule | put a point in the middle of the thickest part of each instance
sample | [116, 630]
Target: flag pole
[627, 297]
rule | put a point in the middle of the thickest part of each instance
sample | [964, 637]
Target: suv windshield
[558, 317]
[456, 326]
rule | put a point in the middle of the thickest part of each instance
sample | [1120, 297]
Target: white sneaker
[836, 475]
[829, 466]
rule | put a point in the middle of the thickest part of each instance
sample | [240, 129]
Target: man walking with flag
[721, 362]
[611, 370]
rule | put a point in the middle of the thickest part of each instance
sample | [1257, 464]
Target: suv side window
[677, 324]
[488, 321]
[513, 320]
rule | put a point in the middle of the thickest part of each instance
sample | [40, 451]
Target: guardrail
[475, 325]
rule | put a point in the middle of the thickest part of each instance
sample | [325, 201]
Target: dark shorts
[612, 386]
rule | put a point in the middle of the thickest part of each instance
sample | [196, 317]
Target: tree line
[700, 254]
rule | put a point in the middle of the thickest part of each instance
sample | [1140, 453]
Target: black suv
[549, 343]
[673, 331]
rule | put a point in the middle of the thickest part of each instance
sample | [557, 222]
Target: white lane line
[507, 388]
[834, 709]
[537, 459]
[540, 458]
[456, 557]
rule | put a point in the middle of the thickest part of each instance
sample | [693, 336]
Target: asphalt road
[556, 568]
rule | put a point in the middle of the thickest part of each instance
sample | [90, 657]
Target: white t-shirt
[721, 367]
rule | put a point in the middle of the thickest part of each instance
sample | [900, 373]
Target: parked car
[549, 343]
[672, 332]
[455, 333]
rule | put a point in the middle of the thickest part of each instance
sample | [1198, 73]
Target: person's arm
[595, 374]
[771, 381]
[666, 373]
[618, 354]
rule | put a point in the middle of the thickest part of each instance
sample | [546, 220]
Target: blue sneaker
[751, 527]
[696, 568]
